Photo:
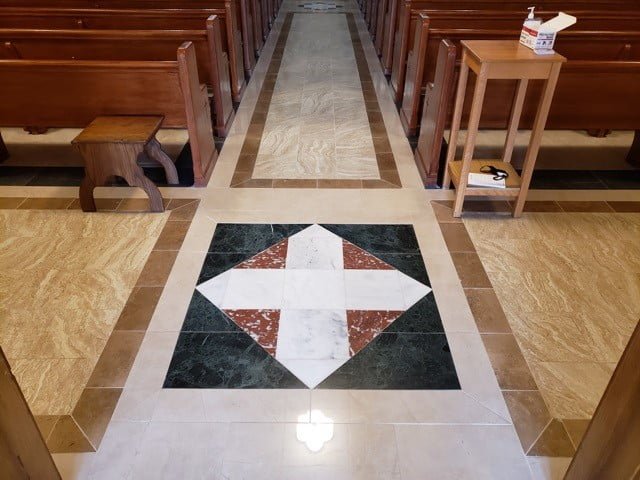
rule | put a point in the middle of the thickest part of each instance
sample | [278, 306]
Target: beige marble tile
[65, 277]
[572, 389]
[460, 451]
[317, 104]
[52, 386]
[62, 333]
[569, 286]
[548, 468]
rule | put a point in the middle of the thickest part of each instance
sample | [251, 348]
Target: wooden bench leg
[4, 153]
[87, 201]
[137, 178]
[598, 132]
[633, 157]
[35, 130]
[154, 150]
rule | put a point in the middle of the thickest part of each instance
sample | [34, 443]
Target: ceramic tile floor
[222, 433]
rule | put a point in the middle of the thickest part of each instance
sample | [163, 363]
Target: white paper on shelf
[485, 180]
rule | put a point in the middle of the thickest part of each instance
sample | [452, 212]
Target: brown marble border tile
[83, 429]
[243, 174]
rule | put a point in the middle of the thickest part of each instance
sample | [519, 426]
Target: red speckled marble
[356, 258]
[274, 257]
[262, 325]
[364, 325]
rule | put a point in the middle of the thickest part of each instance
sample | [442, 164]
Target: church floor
[306, 326]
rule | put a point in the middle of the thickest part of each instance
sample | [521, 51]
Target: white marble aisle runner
[313, 300]
[317, 125]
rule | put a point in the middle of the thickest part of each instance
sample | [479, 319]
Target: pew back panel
[84, 44]
[135, 19]
[573, 44]
[71, 93]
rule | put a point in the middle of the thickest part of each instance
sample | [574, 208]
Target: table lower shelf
[513, 180]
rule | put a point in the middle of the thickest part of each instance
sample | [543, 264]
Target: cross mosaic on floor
[313, 306]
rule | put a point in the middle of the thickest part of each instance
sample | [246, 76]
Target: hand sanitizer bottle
[530, 29]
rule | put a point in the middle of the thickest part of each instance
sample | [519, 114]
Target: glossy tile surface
[65, 276]
[570, 287]
[312, 301]
[317, 88]
[252, 432]
[317, 121]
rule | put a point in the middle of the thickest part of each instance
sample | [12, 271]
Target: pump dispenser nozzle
[531, 15]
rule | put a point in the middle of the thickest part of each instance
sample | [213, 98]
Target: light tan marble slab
[317, 106]
[65, 277]
[569, 284]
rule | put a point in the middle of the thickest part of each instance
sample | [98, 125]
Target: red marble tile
[365, 325]
[262, 325]
[272, 257]
[356, 258]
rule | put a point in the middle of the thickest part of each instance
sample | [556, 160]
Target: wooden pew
[132, 45]
[408, 16]
[396, 39]
[244, 11]
[136, 19]
[430, 28]
[591, 94]
[71, 93]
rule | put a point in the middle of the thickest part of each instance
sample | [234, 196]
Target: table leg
[154, 150]
[469, 146]
[536, 137]
[455, 123]
[516, 112]
[87, 201]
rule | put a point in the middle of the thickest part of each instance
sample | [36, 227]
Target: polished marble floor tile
[65, 277]
[317, 308]
[317, 119]
[568, 285]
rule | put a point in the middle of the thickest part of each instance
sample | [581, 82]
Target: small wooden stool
[112, 146]
[499, 59]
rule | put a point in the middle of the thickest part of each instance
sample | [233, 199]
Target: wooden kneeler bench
[112, 146]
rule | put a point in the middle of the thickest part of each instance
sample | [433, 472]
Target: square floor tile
[313, 335]
[313, 289]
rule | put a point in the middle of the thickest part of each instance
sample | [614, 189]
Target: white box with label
[541, 40]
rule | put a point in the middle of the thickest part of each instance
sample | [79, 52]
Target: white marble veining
[260, 288]
[381, 290]
[313, 289]
[317, 108]
[313, 335]
[315, 249]
[312, 372]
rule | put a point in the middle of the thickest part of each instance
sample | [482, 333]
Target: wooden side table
[111, 146]
[499, 59]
